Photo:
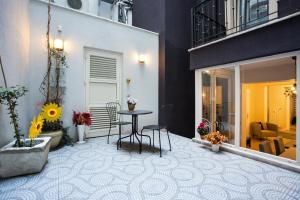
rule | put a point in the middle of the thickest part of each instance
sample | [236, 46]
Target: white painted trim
[237, 95]
[246, 31]
[298, 108]
[198, 99]
[97, 17]
[256, 155]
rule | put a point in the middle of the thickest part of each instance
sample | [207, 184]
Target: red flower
[201, 125]
[82, 118]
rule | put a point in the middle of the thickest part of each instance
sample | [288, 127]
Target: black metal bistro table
[135, 132]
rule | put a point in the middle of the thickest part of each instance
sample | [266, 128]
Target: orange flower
[215, 138]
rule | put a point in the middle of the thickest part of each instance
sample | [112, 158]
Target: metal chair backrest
[279, 145]
[265, 147]
[112, 108]
[165, 115]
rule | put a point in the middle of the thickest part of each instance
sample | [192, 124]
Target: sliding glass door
[218, 100]
[254, 104]
[268, 105]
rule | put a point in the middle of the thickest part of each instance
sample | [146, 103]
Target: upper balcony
[216, 19]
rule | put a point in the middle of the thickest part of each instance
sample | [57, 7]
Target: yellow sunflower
[51, 112]
[36, 127]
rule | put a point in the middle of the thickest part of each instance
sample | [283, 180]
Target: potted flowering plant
[80, 120]
[21, 156]
[203, 129]
[52, 113]
[215, 138]
[131, 103]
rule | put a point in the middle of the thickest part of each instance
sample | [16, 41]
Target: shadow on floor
[127, 146]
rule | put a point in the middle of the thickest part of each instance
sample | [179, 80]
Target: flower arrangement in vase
[80, 120]
[203, 128]
[131, 102]
[215, 138]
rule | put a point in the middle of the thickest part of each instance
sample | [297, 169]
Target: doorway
[218, 100]
[103, 75]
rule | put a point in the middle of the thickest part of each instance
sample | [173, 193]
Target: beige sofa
[263, 130]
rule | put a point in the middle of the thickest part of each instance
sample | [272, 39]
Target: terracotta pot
[131, 107]
[202, 137]
[215, 147]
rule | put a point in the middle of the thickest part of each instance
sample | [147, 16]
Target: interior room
[268, 94]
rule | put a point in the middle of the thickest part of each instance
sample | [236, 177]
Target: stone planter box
[55, 137]
[15, 161]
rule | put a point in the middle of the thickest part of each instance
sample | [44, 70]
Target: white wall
[14, 50]
[80, 31]
[92, 7]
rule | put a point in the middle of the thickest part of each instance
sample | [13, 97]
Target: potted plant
[52, 127]
[22, 156]
[80, 120]
[215, 138]
[131, 102]
[203, 129]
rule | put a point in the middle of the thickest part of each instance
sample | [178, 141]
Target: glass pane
[268, 112]
[218, 100]
[206, 97]
[254, 12]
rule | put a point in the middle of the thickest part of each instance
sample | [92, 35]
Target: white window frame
[236, 65]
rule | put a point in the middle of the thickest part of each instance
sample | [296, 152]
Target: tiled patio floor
[96, 170]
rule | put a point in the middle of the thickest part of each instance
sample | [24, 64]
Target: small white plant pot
[80, 131]
[215, 147]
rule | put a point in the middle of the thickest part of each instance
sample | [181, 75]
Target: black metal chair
[114, 119]
[165, 112]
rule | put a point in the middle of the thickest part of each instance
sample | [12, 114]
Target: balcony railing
[214, 19]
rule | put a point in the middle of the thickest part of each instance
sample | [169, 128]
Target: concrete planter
[15, 161]
[55, 137]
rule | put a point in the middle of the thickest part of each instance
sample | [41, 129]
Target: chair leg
[130, 139]
[169, 140]
[141, 142]
[159, 142]
[120, 136]
[153, 138]
[108, 134]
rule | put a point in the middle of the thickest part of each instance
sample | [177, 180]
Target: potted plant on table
[215, 138]
[22, 156]
[80, 120]
[131, 102]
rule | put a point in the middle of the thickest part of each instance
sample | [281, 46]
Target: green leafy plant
[9, 97]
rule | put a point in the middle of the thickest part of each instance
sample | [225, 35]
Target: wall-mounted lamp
[58, 42]
[142, 59]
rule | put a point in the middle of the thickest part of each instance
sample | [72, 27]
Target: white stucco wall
[14, 50]
[81, 31]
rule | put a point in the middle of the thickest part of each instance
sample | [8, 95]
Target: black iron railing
[214, 19]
